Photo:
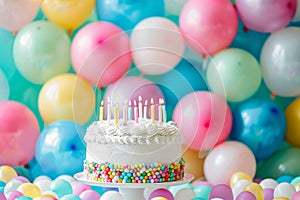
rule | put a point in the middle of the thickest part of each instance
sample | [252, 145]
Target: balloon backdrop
[293, 119]
[204, 119]
[100, 53]
[157, 45]
[276, 14]
[261, 125]
[66, 97]
[198, 24]
[234, 74]
[18, 124]
[4, 87]
[14, 15]
[68, 14]
[58, 142]
[280, 62]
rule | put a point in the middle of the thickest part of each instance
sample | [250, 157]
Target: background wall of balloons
[228, 70]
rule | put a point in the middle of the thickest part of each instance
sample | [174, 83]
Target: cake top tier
[130, 132]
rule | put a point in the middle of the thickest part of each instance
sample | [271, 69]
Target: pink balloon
[266, 15]
[161, 192]
[246, 196]
[19, 131]
[2, 197]
[12, 195]
[22, 179]
[100, 53]
[78, 188]
[296, 196]
[221, 191]
[268, 194]
[208, 25]
[130, 88]
[226, 159]
[89, 194]
[204, 119]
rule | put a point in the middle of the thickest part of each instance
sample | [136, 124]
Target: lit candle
[136, 117]
[125, 112]
[145, 108]
[164, 111]
[160, 111]
[140, 107]
[152, 111]
[129, 111]
[116, 114]
[108, 110]
[101, 113]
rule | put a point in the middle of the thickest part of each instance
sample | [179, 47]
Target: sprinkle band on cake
[139, 173]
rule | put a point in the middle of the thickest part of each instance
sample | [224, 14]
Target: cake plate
[134, 191]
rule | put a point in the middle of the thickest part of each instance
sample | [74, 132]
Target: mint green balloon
[41, 51]
[234, 74]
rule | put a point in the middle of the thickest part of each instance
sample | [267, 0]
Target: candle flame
[129, 103]
[140, 98]
[102, 103]
[146, 102]
[134, 102]
[152, 101]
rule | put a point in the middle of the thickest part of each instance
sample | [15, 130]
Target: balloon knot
[273, 95]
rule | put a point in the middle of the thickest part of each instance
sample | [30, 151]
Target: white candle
[101, 113]
[125, 112]
[108, 111]
[145, 108]
[136, 117]
[152, 111]
[140, 107]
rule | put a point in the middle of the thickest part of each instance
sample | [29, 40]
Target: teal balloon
[284, 179]
[4, 87]
[285, 161]
[61, 187]
[7, 64]
[70, 197]
[234, 74]
[203, 191]
[23, 198]
[41, 51]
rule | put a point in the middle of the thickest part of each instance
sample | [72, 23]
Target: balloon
[160, 192]
[14, 15]
[130, 88]
[174, 7]
[100, 53]
[68, 178]
[89, 194]
[284, 190]
[4, 87]
[58, 142]
[221, 191]
[43, 185]
[280, 62]
[194, 164]
[12, 185]
[18, 124]
[22, 179]
[29, 190]
[157, 45]
[246, 196]
[268, 183]
[70, 197]
[284, 178]
[255, 189]
[226, 159]
[112, 195]
[261, 125]
[127, 13]
[203, 132]
[159, 198]
[239, 186]
[292, 119]
[184, 194]
[66, 97]
[285, 161]
[7, 173]
[203, 191]
[211, 37]
[276, 15]
[78, 188]
[295, 181]
[41, 51]
[45, 197]
[234, 74]
[296, 196]
[61, 187]
[23, 198]
[2, 196]
[237, 176]
[297, 14]
[41, 178]
[176, 188]
[12, 195]
[268, 194]
[60, 12]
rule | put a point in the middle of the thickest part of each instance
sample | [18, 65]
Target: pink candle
[136, 114]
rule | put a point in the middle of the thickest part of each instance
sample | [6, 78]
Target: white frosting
[143, 132]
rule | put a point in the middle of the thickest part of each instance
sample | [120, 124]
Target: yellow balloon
[159, 198]
[239, 176]
[68, 14]
[297, 187]
[7, 173]
[46, 197]
[29, 190]
[281, 198]
[255, 189]
[292, 123]
[66, 97]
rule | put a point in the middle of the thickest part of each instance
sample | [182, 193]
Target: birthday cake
[138, 150]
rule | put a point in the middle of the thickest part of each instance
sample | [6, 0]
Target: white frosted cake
[133, 152]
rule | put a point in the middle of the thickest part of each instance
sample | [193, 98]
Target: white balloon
[111, 195]
[297, 14]
[239, 187]
[284, 190]
[51, 193]
[12, 185]
[44, 185]
[157, 45]
[185, 193]
[268, 183]
[67, 178]
[39, 178]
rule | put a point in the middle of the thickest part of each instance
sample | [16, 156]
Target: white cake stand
[134, 191]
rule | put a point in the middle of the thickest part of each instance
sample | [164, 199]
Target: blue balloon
[127, 13]
[61, 187]
[284, 178]
[261, 125]
[23, 198]
[203, 191]
[60, 149]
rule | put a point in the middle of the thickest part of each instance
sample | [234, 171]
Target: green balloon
[41, 51]
[234, 74]
[283, 162]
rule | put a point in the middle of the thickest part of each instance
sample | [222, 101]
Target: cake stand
[134, 191]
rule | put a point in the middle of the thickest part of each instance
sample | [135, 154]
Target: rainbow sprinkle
[139, 173]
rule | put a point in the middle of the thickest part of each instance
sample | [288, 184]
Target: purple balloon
[246, 196]
[266, 15]
[161, 192]
[2, 197]
[296, 196]
[221, 191]
[22, 179]
[89, 194]
[12, 195]
[257, 180]
[268, 194]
